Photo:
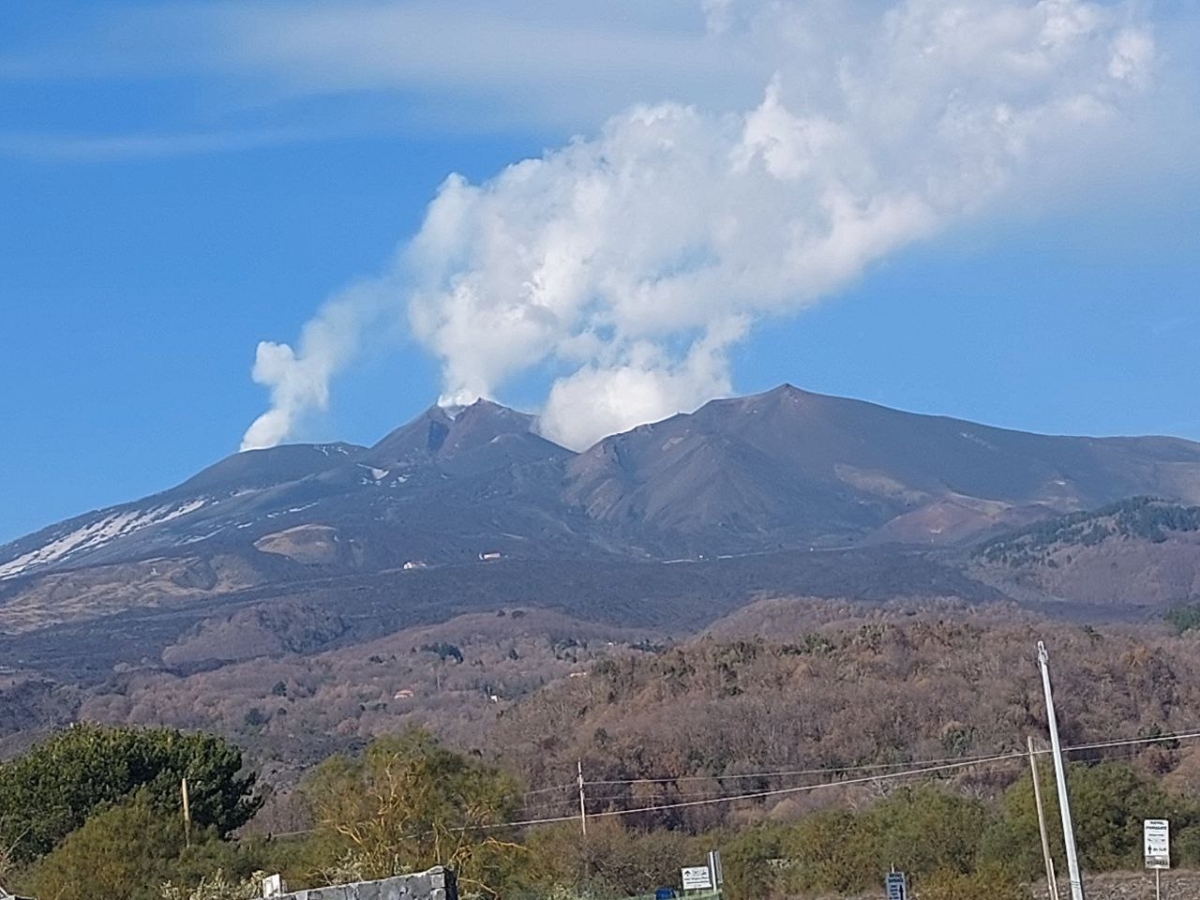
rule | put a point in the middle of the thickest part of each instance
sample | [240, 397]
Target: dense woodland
[813, 759]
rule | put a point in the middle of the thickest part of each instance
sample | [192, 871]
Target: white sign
[897, 887]
[697, 878]
[272, 886]
[1156, 837]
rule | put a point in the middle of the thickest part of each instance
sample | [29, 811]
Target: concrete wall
[435, 884]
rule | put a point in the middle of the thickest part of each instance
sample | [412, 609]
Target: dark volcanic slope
[784, 469]
[260, 469]
[790, 465]
[677, 598]
[440, 488]
[480, 439]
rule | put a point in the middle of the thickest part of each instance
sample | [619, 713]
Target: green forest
[97, 812]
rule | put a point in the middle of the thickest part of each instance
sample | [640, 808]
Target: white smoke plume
[631, 261]
[299, 380]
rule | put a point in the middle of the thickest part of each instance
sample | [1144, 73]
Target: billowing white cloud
[633, 259]
[298, 380]
[646, 385]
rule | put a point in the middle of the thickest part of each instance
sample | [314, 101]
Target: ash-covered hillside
[785, 493]
[786, 468]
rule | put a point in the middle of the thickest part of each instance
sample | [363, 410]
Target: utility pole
[187, 812]
[1060, 776]
[582, 806]
[1051, 881]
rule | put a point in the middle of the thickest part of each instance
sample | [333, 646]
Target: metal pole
[1060, 776]
[582, 806]
[1051, 881]
[1157, 885]
[187, 812]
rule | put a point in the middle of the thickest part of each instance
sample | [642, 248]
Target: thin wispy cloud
[136, 147]
[566, 64]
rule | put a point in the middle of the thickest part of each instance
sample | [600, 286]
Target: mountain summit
[796, 467]
[478, 436]
[785, 468]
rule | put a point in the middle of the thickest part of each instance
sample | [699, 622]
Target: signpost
[897, 886]
[697, 878]
[1156, 840]
[704, 878]
[714, 868]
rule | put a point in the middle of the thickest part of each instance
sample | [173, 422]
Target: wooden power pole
[582, 805]
[1051, 881]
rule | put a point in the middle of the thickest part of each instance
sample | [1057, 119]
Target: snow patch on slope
[377, 475]
[103, 530]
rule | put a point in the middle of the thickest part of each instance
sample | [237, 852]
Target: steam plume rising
[299, 381]
[633, 260]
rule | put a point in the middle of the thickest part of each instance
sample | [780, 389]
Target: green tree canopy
[408, 804]
[127, 851]
[52, 790]
[1109, 800]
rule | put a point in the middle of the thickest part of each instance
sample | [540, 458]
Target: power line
[917, 768]
[1157, 739]
[790, 773]
[550, 820]
[659, 807]
[547, 790]
[814, 787]
[884, 766]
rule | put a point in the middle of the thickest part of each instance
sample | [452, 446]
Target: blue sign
[897, 887]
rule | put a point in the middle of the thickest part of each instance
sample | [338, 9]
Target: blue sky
[179, 183]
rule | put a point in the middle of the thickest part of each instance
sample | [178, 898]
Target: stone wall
[435, 884]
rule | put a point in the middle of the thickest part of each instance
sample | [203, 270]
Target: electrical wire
[883, 766]
[659, 807]
[547, 790]
[1157, 739]
[786, 773]
[917, 769]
